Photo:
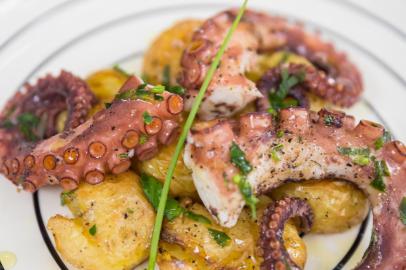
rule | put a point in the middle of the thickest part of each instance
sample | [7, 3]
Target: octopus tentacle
[307, 145]
[313, 80]
[230, 90]
[273, 222]
[41, 104]
[105, 143]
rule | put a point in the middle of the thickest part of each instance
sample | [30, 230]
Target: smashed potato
[111, 228]
[182, 182]
[105, 84]
[337, 205]
[162, 59]
[188, 244]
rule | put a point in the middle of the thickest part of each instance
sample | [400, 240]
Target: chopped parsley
[280, 134]
[221, 238]
[247, 194]
[121, 70]
[6, 124]
[402, 211]
[329, 120]
[274, 152]
[123, 155]
[381, 170]
[360, 156]
[132, 94]
[196, 217]
[153, 189]
[158, 89]
[147, 118]
[66, 197]
[177, 89]
[158, 97]
[93, 230]
[143, 139]
[277, 98]
[386, 137]
[238, 159]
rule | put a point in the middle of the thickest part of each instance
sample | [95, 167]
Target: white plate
[83, 36]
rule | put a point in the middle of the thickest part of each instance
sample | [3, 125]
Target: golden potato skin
[124, 221]
[182, 182]
[105, 84]
[166, 51]
[337, 205]
[189, 244]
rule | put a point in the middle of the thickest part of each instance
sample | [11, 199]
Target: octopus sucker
[230, 90]
[305, 145]
[273, 222]
[103, 144]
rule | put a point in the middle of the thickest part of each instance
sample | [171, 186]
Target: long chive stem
[189, 121]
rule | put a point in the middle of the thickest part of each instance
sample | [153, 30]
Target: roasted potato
[337, 205]
[105, 84]
[182, 182]
[162, 59]
[189, 243]
[111, 228]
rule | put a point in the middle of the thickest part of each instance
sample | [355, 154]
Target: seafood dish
[271, 155]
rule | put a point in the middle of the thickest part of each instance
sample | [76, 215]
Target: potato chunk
[112, 226]
[337, 205]
[189, 244]
[105, 83]
[182, 181]
[164, 54]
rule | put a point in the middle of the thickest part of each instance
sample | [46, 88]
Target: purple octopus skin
[308, 145]
[43, 101]
[273, 223]
[105, 143]
[230, 90]
[313, 81]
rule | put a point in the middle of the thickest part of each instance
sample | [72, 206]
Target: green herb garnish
[280, 134]
[139, 93]
[158, 89]
[123, 155]
[147, 118]
[221, 238]
[153, 190]
[274, 152]
[277, 98]
[93, 230]
[402, 211]
[238, 159]
[66, 197]
[381, 170]
[360, 156]
[143, 139]
[6, 124]
[196, 217]
[27, 122]
[329, 120]
[177, 89]
[158, 97]
[189, 121]
[386, 137]
[247, 194]
[121, 70]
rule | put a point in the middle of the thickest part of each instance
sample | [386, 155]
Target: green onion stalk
[188, 124]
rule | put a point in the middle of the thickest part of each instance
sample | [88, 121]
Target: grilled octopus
[135, 124]
[338, 80]
[303, 145]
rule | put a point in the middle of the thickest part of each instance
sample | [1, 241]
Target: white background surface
[380, 26]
